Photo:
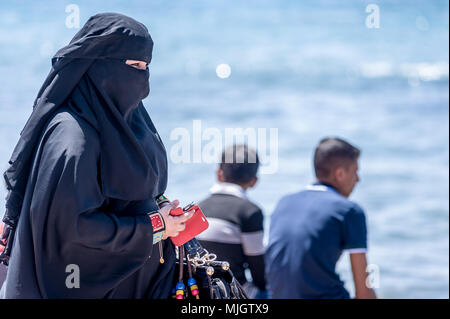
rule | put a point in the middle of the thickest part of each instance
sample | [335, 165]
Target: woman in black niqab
[86, 172]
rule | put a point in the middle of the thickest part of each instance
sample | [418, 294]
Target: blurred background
[309, 68]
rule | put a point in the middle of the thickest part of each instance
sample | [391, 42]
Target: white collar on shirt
[318, 188]
[229, 189]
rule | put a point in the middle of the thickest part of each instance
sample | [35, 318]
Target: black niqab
[87, 168]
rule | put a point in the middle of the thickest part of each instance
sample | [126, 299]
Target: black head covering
[89, 77]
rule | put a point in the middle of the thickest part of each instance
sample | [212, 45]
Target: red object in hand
[194, 225]
[177, 211]
[2, 241]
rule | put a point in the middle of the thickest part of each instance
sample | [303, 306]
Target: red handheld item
[194, 225]
[177, 211]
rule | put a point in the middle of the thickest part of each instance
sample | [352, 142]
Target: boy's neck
[243, 186]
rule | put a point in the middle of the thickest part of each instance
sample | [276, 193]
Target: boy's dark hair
[239, 164]
[331, 153]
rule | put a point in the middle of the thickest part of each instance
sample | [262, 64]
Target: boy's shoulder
[322, 197]
[227, 199]
[237, 210]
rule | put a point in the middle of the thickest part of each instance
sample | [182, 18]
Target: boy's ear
[220, 175]
[339, 174]
[253, 182]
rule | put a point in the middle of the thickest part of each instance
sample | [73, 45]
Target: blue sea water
[309, 69]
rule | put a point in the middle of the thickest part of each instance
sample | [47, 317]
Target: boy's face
[346, 178]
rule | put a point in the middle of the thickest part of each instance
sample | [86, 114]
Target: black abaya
[85, 174]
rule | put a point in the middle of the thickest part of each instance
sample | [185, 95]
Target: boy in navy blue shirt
[310, 229]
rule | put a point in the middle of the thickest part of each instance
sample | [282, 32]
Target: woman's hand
[174, 224]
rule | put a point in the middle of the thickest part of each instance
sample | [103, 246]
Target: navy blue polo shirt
[309, 230]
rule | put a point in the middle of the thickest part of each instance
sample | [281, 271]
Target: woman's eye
[139, 66]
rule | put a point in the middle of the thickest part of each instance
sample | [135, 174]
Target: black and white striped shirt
[235, 232]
